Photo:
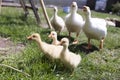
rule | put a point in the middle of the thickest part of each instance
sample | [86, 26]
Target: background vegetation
[116, 8]
[95, 65]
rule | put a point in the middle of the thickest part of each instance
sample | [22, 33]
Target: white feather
[70, 59]
[57, 22]
[94, 28]
[74, 22]
[53, 35]
[50, 50]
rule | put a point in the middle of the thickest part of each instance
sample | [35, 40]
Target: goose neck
[55, 14]
[55, 40]
[88, 17]
[39, 41]
[64, 52]
[65, 48]
[73, 12]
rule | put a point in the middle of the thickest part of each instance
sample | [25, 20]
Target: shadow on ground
[82, 48]
[79, 47]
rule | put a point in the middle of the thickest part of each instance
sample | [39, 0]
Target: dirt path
[8, 47]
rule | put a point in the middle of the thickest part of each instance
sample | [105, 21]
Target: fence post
[45, 13]
[35, 11]
[24, 7]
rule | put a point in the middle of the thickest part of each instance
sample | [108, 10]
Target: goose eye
[53, 34]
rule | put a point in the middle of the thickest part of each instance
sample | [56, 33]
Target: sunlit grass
[97, 65]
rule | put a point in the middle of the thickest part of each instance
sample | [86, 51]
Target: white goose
[74, 22]
[49, 50]
[53, 35]
[70, 59]
[57, 22]
[94, 28]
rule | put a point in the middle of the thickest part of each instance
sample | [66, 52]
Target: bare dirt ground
[8, 47]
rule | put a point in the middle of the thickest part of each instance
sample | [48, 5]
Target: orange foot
[88, 47]
[75, 42]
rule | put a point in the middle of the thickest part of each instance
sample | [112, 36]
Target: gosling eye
[63, 41]
[34, 36]
[53, 34]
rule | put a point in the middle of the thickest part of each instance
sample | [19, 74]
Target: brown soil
[8, 47]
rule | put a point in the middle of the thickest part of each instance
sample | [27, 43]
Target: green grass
[97, 65]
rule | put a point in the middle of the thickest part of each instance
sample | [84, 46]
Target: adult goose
[94, 28]
[74, 22]
[57, 22]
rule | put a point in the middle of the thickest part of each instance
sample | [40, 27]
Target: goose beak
[54, 9]
[74, 4]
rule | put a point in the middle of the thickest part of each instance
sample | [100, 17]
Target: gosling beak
[29, 37]
[84, 9]
[50, 36]
[73, 5]
[60, 43]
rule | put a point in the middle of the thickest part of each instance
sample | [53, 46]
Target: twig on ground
[4, 65]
